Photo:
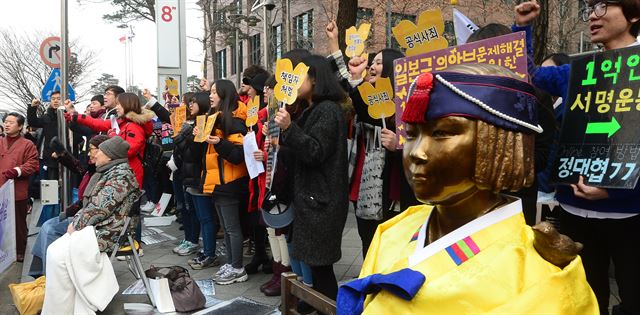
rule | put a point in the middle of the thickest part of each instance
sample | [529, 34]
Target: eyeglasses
[600, 9]
[109, 93]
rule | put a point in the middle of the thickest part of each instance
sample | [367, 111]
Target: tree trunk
[347, 16]
[540, 30]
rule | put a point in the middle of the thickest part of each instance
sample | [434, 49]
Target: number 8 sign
[168, 27]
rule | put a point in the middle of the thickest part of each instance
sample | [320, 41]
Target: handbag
[369, 206]
[28, 297]
[185, 293]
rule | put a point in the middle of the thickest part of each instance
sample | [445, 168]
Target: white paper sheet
[159, 221]
[114, 125]
[164, 202]
[250, 145]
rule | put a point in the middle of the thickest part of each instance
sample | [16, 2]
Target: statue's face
[439, 159]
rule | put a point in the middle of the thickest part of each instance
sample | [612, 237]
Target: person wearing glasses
[606, 221]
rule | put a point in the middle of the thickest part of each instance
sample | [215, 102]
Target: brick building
[309, 18]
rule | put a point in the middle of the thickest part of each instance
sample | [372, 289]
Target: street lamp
[267, 6]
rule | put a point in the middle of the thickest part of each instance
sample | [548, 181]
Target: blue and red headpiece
[501, 101]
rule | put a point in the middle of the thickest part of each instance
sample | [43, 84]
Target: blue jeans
[208, 225]
[49, 232]
[229, 213]
[300, 268]
[190, 220]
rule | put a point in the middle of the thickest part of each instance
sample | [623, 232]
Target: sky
[91, 31]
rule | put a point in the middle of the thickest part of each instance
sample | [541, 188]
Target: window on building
[238, 49]
[238, 6]
[395, 19]
[303, 26]
[277, 42]
[221, 62]
[256, 49]
[450, 33]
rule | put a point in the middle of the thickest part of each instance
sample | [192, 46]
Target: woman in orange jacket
[226, 176]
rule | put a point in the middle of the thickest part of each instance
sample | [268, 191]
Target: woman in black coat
[318, 142]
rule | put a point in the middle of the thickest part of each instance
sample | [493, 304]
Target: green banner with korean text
[508, 51]
[599, 138]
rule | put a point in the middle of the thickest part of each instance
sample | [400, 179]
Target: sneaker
[207, 262]
[147, 207]
[188, 249]
[232, 275]
[198, 257]
[181, 245]
[221, 271]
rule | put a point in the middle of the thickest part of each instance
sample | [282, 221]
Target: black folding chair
[125, 246]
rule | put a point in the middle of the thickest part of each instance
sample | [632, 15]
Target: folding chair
[293, 290]
[125, 246]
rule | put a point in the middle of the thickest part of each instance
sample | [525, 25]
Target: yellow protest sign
[211, 121]
[172, 86]
[180, 116]
[355, 39]
[252, 111]
[200, 124]
[289, 80]
[424, 37]
[378, 98]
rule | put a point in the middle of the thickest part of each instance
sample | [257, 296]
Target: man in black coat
[49, 124]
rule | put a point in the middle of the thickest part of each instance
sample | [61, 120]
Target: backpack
[151, 157]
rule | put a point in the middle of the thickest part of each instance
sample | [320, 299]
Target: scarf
[95, 178]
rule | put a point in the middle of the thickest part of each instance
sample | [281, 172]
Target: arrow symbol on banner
[603, 127]
[55, 48]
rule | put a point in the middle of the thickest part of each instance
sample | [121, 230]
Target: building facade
[308, 19]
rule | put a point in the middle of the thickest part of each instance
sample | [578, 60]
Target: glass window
[256, 48]
[221, 60]
[277, 42]
[303, 25]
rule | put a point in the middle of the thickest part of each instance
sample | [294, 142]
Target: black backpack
[152, 156]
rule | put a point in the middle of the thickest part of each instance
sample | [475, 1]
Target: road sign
[50, 51]
[53, 84]
[599, 137]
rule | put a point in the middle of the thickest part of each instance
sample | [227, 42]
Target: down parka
[134, 128]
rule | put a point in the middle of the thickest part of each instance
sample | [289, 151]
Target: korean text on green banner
[599, 137]
[508, 51]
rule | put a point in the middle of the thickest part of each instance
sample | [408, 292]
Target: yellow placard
[355, 39]
[211, 121]
[422, 38]
[200, 124]
[289, 80]
[378, 98]
[252, 111]
[172, 86]
[180, 116]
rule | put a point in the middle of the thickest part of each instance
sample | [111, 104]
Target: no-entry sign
[50, 51]
[599, 138]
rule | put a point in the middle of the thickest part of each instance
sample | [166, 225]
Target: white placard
[250, 145]
[162, 295]
[7, 226]
[168, 27]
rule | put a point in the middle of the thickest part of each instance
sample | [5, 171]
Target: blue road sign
[53, 84]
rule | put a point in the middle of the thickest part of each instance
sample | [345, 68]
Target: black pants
[366, 230]
[324, 281]
[605, 240]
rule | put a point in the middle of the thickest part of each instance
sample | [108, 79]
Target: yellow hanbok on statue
[489, 265]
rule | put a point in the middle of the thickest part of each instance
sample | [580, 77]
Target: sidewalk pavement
[161, 255]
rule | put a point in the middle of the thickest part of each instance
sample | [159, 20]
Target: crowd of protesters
[291, 217]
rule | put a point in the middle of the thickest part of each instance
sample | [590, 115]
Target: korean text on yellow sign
[356, 38]
[289, 80]
[378, 98]
[252, 111]
[424, 37]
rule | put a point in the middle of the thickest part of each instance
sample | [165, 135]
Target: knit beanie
[258, 82]
[115, 148]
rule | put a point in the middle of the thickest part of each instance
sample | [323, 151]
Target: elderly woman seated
[80, 278]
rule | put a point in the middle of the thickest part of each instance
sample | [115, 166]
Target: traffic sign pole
[63, 133]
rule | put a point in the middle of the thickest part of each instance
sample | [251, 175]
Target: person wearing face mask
[605, 220]
[133, 125]
[18, 161]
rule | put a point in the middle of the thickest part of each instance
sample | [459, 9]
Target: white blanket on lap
[88, 272]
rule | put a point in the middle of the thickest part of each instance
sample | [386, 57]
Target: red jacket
[134, 128]
[24, 155]
[260, 182]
